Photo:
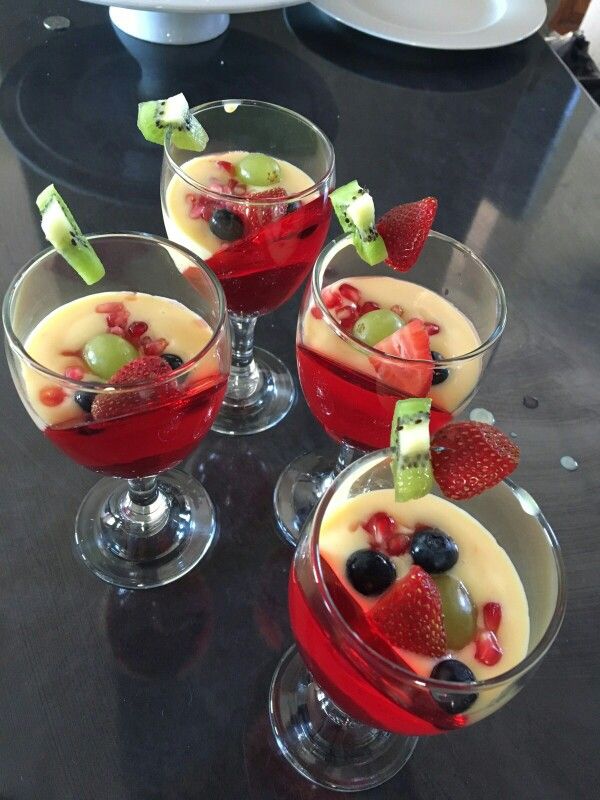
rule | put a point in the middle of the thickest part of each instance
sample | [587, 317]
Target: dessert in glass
[125, 377]
[254, 205]
[369, 335]
[411, 619]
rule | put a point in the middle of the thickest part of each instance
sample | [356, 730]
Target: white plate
[441, 24]
[199, 6]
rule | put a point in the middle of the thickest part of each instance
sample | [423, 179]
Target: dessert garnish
[413, 476]
[65, 235]
[397, 238]
[155, 117]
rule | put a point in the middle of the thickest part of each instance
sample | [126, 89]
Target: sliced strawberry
[410, 615]
[257, 216]
[410, 342]
[492, 616]
[140, 370]
[487, 648]
[470, 457]
[404, 229]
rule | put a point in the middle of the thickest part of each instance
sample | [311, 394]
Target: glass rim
[339, 621]
[345, 240]
[99, 387]
[315, 187]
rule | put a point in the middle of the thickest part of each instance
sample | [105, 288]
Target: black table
[111, 695]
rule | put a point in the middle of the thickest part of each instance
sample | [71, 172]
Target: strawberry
[492, 616]
[257, 216]
[404, 229]
[487, 648]
[410, 342]
[410, 615]
[141, 370]
[470, 457]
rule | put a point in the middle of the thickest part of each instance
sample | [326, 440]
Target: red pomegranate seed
[487, 648]
[240, 190]
[74, 373]
[347, 316]
[397, 310]
[227, 166]
[316, 312]
[117, 319]
[215, 185]
[380, 527]
[52, 395]
[117, 330]
[71, 353]
[398, 544]
[331, 298]
[349, 292]
[137, 329]
[109, 308]
[199, 207]
[156, 347]
[368, 306]
[492, 616]
[431, 328]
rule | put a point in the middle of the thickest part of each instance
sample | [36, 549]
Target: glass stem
[245, 378]
[347, 454]
[144, 511]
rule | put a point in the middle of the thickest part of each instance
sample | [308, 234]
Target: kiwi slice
[156, 116]
[355, 211]
[64, 234]
[413, 474]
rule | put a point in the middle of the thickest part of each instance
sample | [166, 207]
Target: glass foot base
[322, 742]
[266, 407]
[299, 489]
[115, 541]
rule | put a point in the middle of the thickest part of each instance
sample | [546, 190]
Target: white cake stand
[181, 21]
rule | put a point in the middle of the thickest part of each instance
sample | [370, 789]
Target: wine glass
[346, 715]
[146, 524]
[271, 245]
[352, 388]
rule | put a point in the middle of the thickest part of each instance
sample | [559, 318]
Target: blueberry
[84, 400]
[226, 225]
[451, 669]
[433, 550]
[440, 374]
[370, 572]
[294, 206]
[172, 360]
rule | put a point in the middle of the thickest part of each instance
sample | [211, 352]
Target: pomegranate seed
[71, 353]
[156, 347]
[397, 310]
[331, 298]
[137, 329]
[398, 544]
[240, 190]
[492, 616]
[380, 526]
[347, 316]
[487, 648]
[117, 319]
[117, 330]
[215, 185]
[74, 373]
[199, 207]
[109, 308]
[227, 166]
[52, 395]
[431, 328]
[349, 292]
[316, 312]
[146, 339]
[368, 306]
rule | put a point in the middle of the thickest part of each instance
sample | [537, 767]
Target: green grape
[258, 170]
[106, 353]
[460, 613]
[374, 326]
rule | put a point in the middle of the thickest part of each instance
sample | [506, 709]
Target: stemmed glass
[346, 716]
[353, 400]
[146, 524]
[261, 270]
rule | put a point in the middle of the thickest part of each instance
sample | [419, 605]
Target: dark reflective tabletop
[107, 694]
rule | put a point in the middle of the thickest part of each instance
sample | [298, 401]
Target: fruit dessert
[249, 215]
[417, 578]
[125, 339]
[352, 389]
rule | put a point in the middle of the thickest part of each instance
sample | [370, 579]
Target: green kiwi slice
[355, 211]
[155, 117]
[413, 474]
[65, 235]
